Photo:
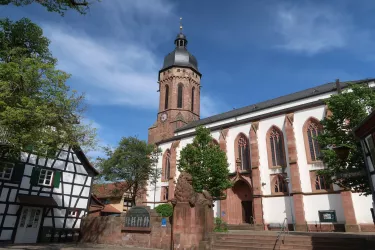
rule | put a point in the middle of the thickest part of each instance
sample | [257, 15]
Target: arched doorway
[239, 204]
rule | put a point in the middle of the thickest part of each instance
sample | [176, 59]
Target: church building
[270, 146]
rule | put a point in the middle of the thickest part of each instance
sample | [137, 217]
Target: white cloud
[310, 28]
[120, 68]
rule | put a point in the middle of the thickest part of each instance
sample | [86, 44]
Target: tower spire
[181, 25]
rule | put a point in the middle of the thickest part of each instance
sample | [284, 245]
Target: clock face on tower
[163, 117]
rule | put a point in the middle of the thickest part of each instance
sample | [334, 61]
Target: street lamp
[290, 203]
[342, 152]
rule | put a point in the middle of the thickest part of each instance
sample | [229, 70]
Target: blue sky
[247, 50]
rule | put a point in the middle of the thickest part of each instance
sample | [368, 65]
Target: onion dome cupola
[180, 56]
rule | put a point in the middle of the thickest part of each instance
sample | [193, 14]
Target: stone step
[282, 247]
[286, 237]
[291, 244]
[251, 227]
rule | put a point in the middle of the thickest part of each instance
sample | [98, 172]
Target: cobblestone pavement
[67, 246]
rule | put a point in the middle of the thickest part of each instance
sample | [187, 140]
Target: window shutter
[35, 176]
[18, 170]
[56, 179]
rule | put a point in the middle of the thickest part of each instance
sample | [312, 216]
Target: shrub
[220, 225]
[165, 210]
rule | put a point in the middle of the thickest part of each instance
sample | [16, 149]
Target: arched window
[275, 148]
[319, 182]
[311, 129]
[179, 96]
[166, 173]
[192, 98]
[279, 184]
[242, 152]
[166, 97]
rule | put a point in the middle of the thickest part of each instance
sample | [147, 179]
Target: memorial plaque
[327, 216]
[138, 219]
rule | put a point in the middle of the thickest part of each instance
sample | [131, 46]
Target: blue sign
[223, 213]
[163, 222]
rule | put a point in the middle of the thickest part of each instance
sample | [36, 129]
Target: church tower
[179, 91]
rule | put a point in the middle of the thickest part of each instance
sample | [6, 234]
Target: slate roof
[318, 90]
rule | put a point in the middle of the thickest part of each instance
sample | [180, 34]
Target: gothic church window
[319, 182]
[275, 148]
[179, 95]
[279, 184]
[242, 152]
[166, 97]
[166, 166]
[311, 129]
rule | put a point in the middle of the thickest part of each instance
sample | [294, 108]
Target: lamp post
[290, 203]
[342, 152]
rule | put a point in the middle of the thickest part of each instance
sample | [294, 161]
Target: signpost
[137, 219]
[163, 222]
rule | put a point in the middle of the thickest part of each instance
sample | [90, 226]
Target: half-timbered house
[44, 199]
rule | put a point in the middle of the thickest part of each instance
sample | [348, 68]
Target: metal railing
[284, 227]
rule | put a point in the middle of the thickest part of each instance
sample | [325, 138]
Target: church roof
[318, 90]
[180, 57]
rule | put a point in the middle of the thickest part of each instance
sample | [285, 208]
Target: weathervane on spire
[180, 24]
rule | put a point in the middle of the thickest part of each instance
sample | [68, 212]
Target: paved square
[67, 246]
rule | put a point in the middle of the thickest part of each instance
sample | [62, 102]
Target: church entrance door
[240, 205]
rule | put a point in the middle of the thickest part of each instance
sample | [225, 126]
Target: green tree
[132, 163]
[206, 163]
[36, 106]
[59, 6]
[348, 109]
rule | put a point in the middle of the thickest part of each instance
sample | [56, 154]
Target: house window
[6, 170]
[45, 177]
[178, 70]
[179, 96]
[279, 184]
[192, 98]
[311, 129]
[166, 97]
[72, 213]
[242, 153]
[127, 205]
[276, 148]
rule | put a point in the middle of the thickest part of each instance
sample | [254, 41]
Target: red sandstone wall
[107, 230]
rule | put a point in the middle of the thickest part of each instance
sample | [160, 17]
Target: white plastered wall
[314, 203]
[362, 205]
[276, 209]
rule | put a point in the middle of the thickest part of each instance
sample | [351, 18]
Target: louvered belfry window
[277, 148]
[179, 95]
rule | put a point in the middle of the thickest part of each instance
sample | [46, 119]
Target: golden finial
[181, 24]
